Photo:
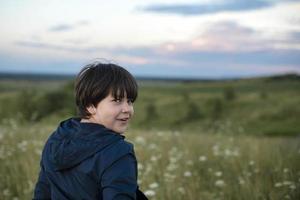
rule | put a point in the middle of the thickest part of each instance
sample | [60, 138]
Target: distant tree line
[34, 105]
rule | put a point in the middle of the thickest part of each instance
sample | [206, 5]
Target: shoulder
[118, 149]
[114, 153]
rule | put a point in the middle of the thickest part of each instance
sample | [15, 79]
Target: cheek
[132, 110]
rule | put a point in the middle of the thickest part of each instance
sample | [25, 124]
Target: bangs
[124, 86]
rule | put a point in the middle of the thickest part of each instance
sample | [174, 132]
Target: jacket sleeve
[119, 181]
[42, 187]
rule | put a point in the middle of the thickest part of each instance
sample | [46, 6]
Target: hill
[255, 106]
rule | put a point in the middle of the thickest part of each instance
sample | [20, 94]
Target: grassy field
[172, 165]
[262, 106]
[194, 140]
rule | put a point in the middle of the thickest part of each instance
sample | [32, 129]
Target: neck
[86, 121]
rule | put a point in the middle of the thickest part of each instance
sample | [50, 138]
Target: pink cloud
[136, 60]
[228, 36]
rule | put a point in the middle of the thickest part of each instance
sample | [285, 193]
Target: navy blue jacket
[86, 161]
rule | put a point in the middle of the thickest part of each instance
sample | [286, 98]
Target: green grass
[9, 85]
[256, 106]
[193, 140]
[172, 165]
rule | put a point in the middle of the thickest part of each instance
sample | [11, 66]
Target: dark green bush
[151, 112]
[229, 94]
[34, 105]
[216, 108]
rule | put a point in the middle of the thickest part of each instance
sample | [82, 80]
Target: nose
[127, 107]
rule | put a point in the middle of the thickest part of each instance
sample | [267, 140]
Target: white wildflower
[187, 174]
[219, 173]
[169, 177]
[9, 153]
[251, 162]
[241, 181]
[140, 166]
[153, 185]
[160, 133]
[176, 133]
[172, 167]
[219, 183]
[287, 182]
[286, 170]
[152, 146]
[153, 158]
[278, 184]
[292, 187]
[140, 140]
[246, 173]
[227, 152]
[216, 150]
[38, 151]
[149, 193]
[202, 158]
[173, 159]
[181, 190]
[22, 145]
[6, 192]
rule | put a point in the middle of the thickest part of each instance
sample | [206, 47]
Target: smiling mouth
[124, 119]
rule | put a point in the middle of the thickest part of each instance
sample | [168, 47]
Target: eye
[130, 101]
[117, 100]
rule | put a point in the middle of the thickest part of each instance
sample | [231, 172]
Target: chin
[120, 131]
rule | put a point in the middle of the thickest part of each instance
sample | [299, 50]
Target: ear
[91, 109]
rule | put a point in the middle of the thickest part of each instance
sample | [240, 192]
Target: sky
[152, 38]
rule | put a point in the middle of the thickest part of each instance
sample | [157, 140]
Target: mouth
[126, 119]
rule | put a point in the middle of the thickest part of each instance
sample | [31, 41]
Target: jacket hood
[74, 142]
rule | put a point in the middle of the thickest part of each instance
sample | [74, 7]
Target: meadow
[194, 140]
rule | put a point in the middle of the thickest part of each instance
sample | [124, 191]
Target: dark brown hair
[97, 80]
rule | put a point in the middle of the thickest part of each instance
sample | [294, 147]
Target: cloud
[41, 45]
[295, 36]
[119, 53]
[68, 27]
[71, 47]
[200, 9]
[83, 22]
[61, 28]
[210, 8]
[224, 49]
[229, 36]
[61, 47]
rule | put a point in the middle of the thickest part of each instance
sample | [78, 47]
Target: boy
[87, 157]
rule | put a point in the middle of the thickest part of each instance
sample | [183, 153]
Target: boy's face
[112, 113]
